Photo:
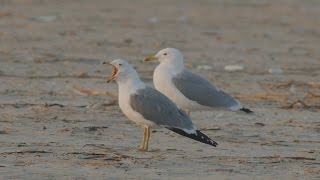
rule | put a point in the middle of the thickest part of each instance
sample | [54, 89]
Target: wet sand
[56, 122]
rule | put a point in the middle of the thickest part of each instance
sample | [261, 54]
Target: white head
[170, 56]
[122, 71]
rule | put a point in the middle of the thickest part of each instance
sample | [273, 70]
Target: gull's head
[169, 56]
[122, 70]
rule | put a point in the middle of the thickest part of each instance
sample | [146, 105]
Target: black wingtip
[246, 110]
[199, 136]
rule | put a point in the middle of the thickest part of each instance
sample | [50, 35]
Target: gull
[189, 91]
[149, 108]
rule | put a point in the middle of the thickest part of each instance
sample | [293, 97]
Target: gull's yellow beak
[115, 72]
[150, 58]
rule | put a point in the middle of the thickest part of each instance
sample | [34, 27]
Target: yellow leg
[143, 144]
[147, 139]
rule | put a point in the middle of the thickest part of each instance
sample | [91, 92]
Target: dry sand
[53, 127]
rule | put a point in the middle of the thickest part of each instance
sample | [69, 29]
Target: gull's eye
[120, 64]
[165, 54]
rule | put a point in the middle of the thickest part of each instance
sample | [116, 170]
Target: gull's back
[200, 90]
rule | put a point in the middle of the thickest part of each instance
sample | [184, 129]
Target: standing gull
[189, 91]
[149, 108]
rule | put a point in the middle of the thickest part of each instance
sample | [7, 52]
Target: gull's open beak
[150, 58]
[115, 72]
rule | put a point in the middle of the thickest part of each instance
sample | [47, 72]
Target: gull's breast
[125, 106]
[162, 79]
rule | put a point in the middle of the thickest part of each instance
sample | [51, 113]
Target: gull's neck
[175, 66]
[131, 84]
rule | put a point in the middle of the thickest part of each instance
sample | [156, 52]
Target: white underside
[163, 83]
[125, 91]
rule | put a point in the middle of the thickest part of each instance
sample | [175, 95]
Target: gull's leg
[147, 139]
[143, 144]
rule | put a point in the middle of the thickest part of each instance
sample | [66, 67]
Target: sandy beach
[59, 119]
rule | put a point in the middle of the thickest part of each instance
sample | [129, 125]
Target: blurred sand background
[58, 120]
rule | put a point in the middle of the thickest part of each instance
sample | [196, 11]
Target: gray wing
[198, 89]
[156, 107]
